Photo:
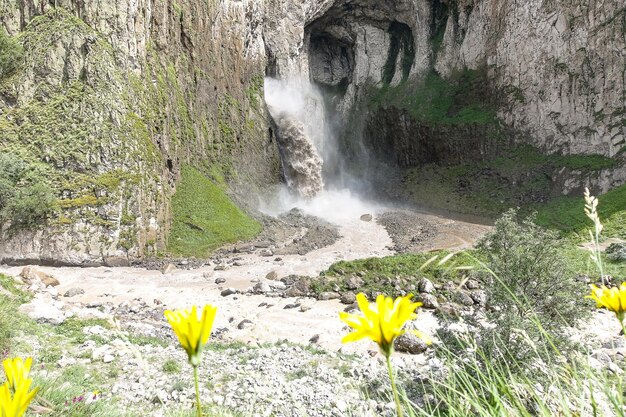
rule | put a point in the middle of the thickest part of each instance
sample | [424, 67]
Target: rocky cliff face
[112, 98]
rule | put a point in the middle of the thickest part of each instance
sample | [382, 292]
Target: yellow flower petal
[192, 332]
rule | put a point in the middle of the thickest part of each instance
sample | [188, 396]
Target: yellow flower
[613, 299]
[382, 322]
[15, 394]
[192, 332]
[16, 370]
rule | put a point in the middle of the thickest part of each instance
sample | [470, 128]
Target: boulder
[31, 276]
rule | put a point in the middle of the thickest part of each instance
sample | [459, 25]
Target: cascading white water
[307, 142]
[297, 109]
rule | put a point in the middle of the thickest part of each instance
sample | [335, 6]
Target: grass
[11, 321]
[383, 274]
[204, 218]
[566, 214]
[520, 176]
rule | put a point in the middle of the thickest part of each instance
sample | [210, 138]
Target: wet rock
[73, 292]
[366, 217]
[228, 291]
[328, 296]
[220, 280]
[272, 276]
[168, 269]
[426, 286]
[428, 301]
[348, 298]
[245, 323]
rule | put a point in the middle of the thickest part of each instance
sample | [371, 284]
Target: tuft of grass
[143, 340]
[204, 217]
[171, 366]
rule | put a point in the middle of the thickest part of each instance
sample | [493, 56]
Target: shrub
[11, 55]
[532, 297]
[30, 206]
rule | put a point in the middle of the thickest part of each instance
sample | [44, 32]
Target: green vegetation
[204, 218]
[520, 176]
[11, 55]
[564, 213]
[462, 99]
[11, 297]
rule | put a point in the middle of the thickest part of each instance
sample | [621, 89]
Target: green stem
[393, 388]
[623, 327]
[195, 378]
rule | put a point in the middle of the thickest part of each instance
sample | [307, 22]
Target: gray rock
[277, 285]
[449, 310]
[43, 311]
[272, 276]
[428, 301]
[426, 286]
[479, 297]
[366, 217]
[220, 267]
[266, 253]
[348, 297]
[244, 248]
[410, 343]
[228, 291]
[290, 306]
[464, 299]
[117, 261]
[245, 323]
[472, 284]
[73, 292]
[354, 283]
[262, 288]
[220, 280]
[169, 268]
[328, 296]
[300, 288]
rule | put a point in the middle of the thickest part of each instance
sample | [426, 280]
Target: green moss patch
[204, 218]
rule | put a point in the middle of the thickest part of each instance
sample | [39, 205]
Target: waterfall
[297, 108]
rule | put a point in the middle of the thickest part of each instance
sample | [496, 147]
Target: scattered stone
[314, 339]
[169, 268]
[366, 217]
[220, 267]
[272, 276]
[328, 296]
[266, 252]
[290, 306]
[220, 280]
[479, 297]
[73, 292]
[261, 288]
[117, 261]
[305, 307]
[228, 291]
[449, 287]
[263, 244]
[108, 358]
[426, 286]
[449, 310]
[31, 275]
[277, 285]
[244, 324]
[245, 248]
[429, 301]
[43, 311]
[300, 288]
[354, 283]
[348, 297]
[464, 299]
[472, 284]
[278, 259]
[238, 263]
[584, 279]
[410, 343]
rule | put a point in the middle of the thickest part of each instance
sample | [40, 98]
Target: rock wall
[112, 98]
